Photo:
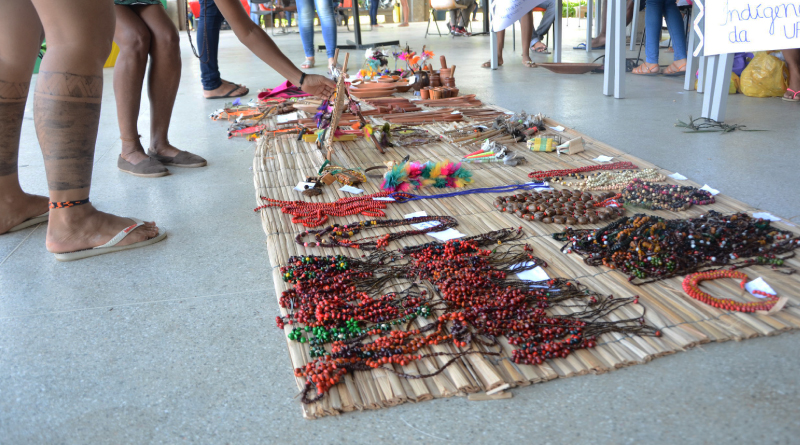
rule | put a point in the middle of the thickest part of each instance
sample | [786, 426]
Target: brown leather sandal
[675, 70]
[644, 70]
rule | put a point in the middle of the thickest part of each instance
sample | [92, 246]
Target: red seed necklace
[691, 285]
[314, 214]
[547, 174]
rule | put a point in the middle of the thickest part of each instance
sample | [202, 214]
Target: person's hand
[319, 86]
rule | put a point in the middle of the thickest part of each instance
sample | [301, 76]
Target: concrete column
[419, 10]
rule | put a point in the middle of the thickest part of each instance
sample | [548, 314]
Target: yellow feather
[436, 171]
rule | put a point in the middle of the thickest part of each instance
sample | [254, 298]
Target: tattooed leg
[19, 43]
[67, 112]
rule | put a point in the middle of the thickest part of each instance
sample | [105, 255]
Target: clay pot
[450, 82]
[425, 93]
[454, 92]
[435, 80]
[444, 72]
[436, 94]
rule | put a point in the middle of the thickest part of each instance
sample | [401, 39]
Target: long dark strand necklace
[649, 248]
[340, 235]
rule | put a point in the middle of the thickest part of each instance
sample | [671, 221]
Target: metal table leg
[692, 62]
[717, 82]
[614, 72]
[557, 34]
[589, 10]
[634, 23]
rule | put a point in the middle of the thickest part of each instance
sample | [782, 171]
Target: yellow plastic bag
[733, 89]
[765, 76]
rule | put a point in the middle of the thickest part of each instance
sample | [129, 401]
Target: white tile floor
[176, 342]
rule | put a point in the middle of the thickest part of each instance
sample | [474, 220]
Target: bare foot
[232, 83]
[526, 58]
[489, 63]
[794, 86]
[84, 227]
[132, 151]
[226, 89]
[309, 63]
[19, 207]
[402, 25]
[599, 41]
[539, 47]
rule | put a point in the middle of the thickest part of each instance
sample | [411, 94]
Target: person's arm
[257, 41]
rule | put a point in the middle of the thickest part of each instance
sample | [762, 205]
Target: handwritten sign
[506, 12]
[734, 26]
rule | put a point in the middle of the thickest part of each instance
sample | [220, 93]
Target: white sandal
[111, 245]
[31, 222]
[309, 63]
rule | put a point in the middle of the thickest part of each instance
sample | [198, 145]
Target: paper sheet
[535, 274]
[301, 186]
[284, 118]
[446, 235]
[350, 189]
[603, 158]
[767, 216]
[558, 128]
[759, 284]
[678, 176]
[709, 189]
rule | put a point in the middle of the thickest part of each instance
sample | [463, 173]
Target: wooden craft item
[338, 107]
[571, 147]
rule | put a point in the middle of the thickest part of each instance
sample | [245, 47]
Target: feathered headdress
[416, 175]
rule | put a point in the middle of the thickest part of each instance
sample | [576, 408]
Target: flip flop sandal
[31, 222]
[673, 72]
[643, 70]
[182, 159]
[530, 64]
[583, 47]
[230, 93]
[787, 99]
[111, 245]
[151, 168]
[489, 64]
[309, 63]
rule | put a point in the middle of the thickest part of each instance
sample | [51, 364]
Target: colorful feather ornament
[416, 175]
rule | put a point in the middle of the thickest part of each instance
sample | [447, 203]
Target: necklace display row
[560, 206]
[654, 196]
[340, 235]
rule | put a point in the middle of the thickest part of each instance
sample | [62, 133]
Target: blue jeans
[548, 18]
[652, 23]
[208, 25]
[373, 12]
[305, 21]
